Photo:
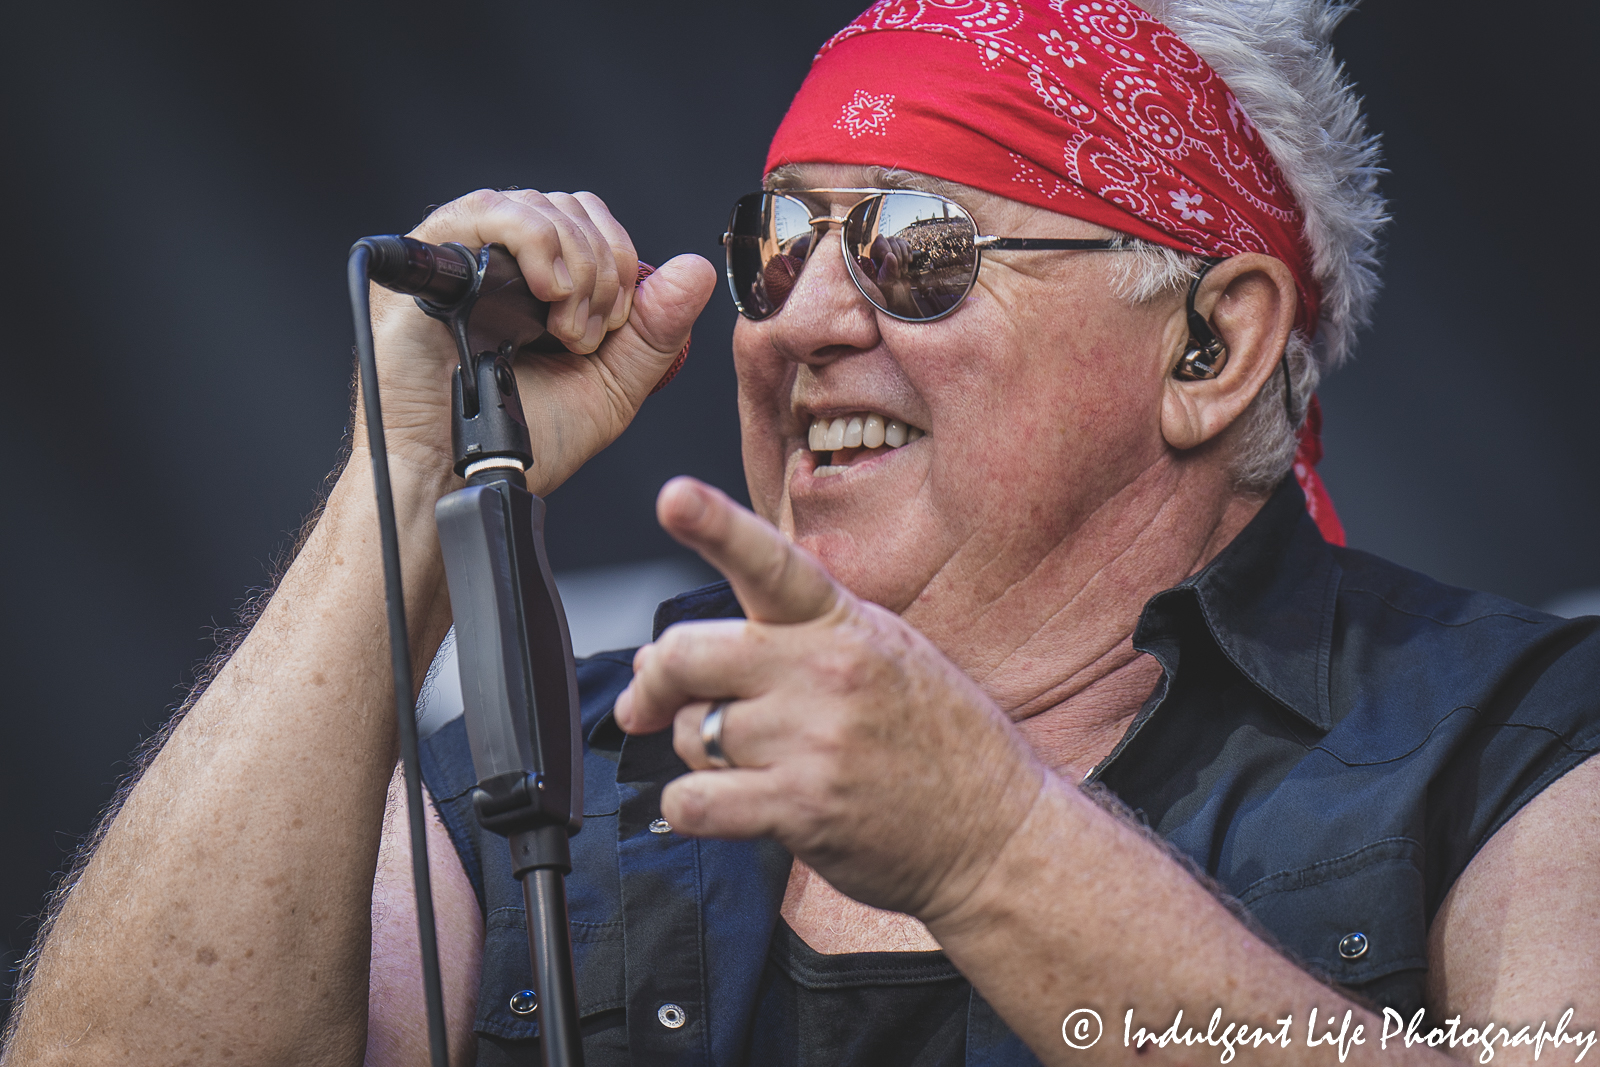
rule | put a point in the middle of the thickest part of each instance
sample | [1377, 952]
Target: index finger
[540, 236]
[775, 580]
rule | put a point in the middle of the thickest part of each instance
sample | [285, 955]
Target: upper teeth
[862, 430]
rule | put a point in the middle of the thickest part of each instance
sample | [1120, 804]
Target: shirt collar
[714, 601]
[1267, 600]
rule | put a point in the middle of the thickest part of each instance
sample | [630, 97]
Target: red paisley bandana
[1090, 108]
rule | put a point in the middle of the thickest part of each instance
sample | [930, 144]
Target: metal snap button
[661, 826]
[1353, 946]
[671, 1016]
[524, 1002]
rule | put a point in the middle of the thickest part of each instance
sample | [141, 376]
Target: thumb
[775, 580]
[648, 350]
[667, 302]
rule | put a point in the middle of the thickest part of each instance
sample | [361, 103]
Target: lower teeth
[823, 472]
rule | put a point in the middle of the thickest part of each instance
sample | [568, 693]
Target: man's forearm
[227, 908]
[1083, 912]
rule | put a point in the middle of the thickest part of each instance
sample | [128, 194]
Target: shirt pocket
[597, 962]
[1357, 919]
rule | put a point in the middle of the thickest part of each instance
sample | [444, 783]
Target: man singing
[1041, 680]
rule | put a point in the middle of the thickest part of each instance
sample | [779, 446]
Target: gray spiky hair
[1277, 58]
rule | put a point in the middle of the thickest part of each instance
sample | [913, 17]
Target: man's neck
[1055, 649]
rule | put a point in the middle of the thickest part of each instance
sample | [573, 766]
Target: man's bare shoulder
[1517, 936]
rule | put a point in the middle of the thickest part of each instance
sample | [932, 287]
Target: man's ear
[1250, 302]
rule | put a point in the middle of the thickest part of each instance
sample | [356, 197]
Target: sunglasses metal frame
[980, 242]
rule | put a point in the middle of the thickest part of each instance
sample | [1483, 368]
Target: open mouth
[845, 441]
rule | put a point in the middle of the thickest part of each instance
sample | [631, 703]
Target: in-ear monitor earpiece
[1205, 355]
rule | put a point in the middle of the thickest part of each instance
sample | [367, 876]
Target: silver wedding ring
[711, 735]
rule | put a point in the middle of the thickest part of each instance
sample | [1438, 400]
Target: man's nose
[826, 316]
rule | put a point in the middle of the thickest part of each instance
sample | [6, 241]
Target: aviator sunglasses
[913, 255]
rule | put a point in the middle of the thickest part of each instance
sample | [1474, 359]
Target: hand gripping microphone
[441, 276]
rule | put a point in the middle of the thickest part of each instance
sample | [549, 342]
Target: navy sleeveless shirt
[1333, 739]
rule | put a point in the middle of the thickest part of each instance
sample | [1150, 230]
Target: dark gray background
[182, 183]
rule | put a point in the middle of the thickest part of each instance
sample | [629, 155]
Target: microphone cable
[399, 652]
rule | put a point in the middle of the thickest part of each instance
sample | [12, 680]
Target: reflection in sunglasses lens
[912, 254]
[769, 239]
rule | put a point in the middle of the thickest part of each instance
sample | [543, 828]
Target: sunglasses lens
[912, 254]
[769, 239]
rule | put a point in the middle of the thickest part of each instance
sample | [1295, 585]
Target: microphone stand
[518, 684]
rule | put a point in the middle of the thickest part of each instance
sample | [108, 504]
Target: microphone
[439, 274]
[444, 275]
